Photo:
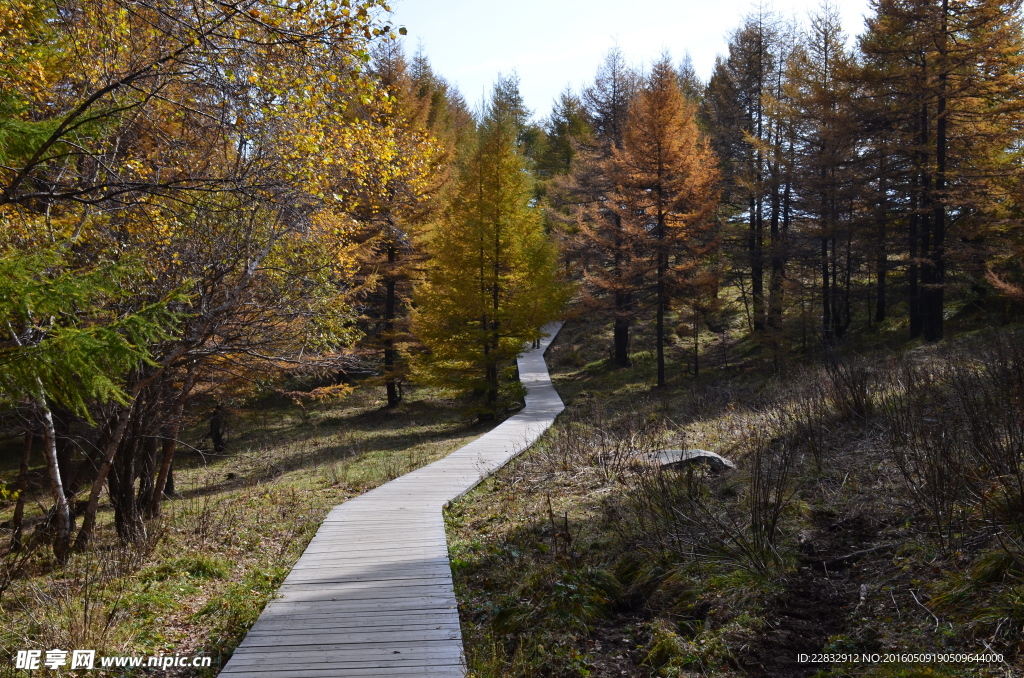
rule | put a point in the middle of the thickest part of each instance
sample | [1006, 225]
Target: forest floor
[228, 537]
[581, 558]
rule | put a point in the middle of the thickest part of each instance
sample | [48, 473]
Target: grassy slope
[228, 538]
[576, 561]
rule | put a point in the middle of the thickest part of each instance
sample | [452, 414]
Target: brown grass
[875, 509]
[229, 536]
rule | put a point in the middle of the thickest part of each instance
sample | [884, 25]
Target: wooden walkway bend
[372, 594]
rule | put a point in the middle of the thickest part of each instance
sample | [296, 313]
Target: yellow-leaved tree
[493, 280]
[196, 141]
[394, 203]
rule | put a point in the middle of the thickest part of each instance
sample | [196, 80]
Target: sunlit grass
[228, 537]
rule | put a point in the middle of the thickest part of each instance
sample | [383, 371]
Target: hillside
[863, 518]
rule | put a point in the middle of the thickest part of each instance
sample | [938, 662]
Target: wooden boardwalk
[372, 594]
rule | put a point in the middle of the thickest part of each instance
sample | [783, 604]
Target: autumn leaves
[494, 279]
[216, 195]
[179, 194]
[643, 192]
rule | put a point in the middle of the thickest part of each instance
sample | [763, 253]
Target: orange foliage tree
[665, 189]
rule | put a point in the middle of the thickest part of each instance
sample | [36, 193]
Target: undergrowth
[877, 507]
[226, 540]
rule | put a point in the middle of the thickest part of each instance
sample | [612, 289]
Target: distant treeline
[856, 187]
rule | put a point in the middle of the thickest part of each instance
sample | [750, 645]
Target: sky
[554, 43]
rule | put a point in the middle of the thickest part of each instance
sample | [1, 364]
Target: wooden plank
[356, 607]
[328, 624]
[405, 582]
[372, 594]
[408, 619]
[292, 626]
[383, 658]
[360, 567]
[334, 591]
[356, 542]
[382, 661]
[273, 642]
[341, 576]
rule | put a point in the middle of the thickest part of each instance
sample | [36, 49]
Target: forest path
[372, 594]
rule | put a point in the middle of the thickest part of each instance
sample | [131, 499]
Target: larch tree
[394, 205]
[492, 281]
[689, 82]
[448, 117]
[820, 95]
[741, 106]
[563, 130]
[666, 186]
[604, 246]
[947, 76]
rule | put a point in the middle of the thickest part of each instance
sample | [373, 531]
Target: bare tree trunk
[933, 294]
[390, 354]
[62, 513]
[121, 480]
[881, 256]
[19, 507]
[917, 278]
[146, 474]
[662, 291]
[89, 519]
[170, 444]
[660, 325]
[913, 275]
[165, 478]
[623, 306]
[623, 303]
[777, 259]
[755, 245]
[696, 342]
[826, 293]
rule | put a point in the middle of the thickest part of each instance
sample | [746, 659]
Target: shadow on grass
[346, 432]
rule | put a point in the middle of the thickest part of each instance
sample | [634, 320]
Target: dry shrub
[809, 412]
[956, 430]
[847, 383]
[13, 562]
[590, 438]
[205, 518]
[989, 393]
[988, 388]
[924, 437]
[771, 456]
[85, 607]
[735, 517]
